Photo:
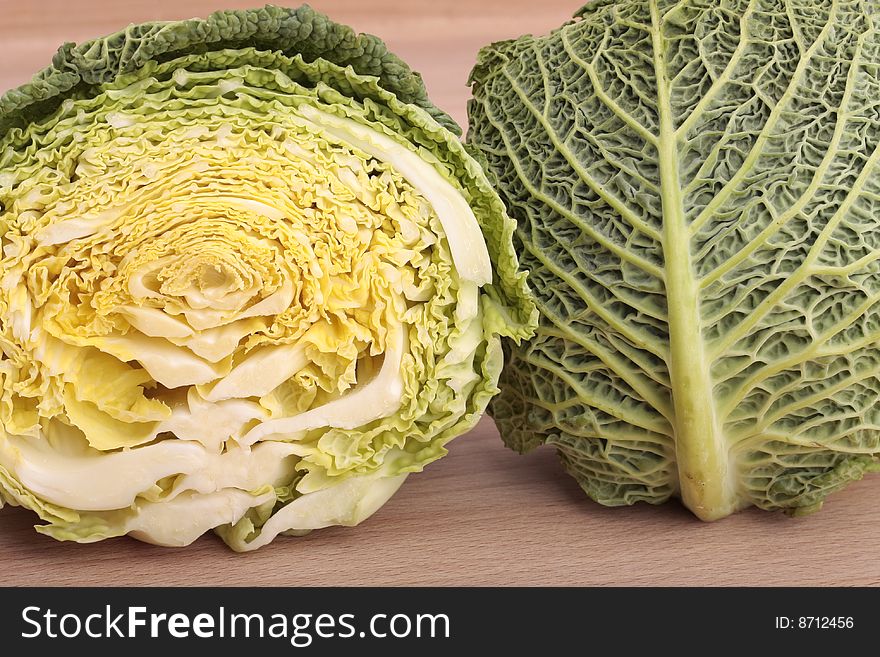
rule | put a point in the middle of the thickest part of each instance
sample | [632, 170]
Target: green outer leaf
[695, 186]
[77, 69]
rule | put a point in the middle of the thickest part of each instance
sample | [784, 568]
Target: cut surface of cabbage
[249, 283]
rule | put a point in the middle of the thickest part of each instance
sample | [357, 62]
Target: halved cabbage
[247, 281]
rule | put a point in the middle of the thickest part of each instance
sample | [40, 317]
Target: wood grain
[483, 515]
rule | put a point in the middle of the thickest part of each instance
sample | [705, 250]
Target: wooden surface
[483, 515]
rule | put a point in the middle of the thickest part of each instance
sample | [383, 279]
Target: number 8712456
[815, 622]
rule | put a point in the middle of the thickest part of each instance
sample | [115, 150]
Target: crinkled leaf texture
[697, 194]
[251, 279]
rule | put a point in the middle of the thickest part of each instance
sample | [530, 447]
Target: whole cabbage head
[697, 191]
[247, 281]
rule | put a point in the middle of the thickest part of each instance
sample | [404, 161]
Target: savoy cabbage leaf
[697, 193]
[251, 280]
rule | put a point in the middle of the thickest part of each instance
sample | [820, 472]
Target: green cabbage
[247, 281]
[697, 194]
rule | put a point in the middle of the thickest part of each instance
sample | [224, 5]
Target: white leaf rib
[651, 371]
[642, 342]
[603, 96]
[870, 340]
[622, 253]
[807, 401]
[601, 403]
[620, 367]
[622, 364]
[815, 350]
[795, 29]
[846, 270]
[809, 193]
[617, 291]
[772, 399]
[805, 428]
[726, 136]
[803, 271]
[627, 82]
[545, 79]
[629, 438]
[617, 204]
[759, 440]
[611, 158]
[725, 76]
[766, 131]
